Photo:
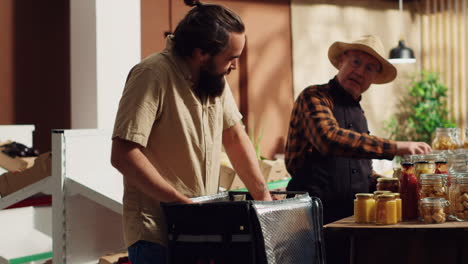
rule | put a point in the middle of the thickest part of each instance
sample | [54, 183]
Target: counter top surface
[348, 222]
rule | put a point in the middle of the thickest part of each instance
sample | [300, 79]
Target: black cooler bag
[230, 227]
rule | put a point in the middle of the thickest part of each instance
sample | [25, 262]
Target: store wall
[6, 61]
[262, 85]
[316, 24]
[105, 45]
[34, 62]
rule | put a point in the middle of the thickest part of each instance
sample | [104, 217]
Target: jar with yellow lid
[423, 167]
[388, 184]
[433, 210]
[386, 210]
[364, 208]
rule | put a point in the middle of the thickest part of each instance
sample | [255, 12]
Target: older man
[329, 148]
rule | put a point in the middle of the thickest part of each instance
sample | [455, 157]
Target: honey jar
[364, 208]
[386, 210]
[399, 207]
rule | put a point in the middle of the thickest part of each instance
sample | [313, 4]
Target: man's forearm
[243, 158]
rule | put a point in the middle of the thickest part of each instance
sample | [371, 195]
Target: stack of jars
[433, 194]
[458, 196]
[382, 208]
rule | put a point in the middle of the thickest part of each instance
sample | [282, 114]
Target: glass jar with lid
[457, 162]
[409, 191]
[423, 167]
[453, 193]
[456, 134]
[433, 210]
[364, 208]
[459, 196]
[433, 185]
[441, 167]
[386, 209]
[388, 184]
[444, 139]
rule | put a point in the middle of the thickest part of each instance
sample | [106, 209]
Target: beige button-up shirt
[181, 136]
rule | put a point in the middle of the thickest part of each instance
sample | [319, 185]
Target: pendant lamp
[401, 53]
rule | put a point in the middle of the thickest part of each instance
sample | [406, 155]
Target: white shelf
[42, 186]
[86, 203]
[87, 200]
[22, 238]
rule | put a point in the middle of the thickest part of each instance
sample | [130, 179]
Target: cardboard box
[12, 181]
[15, 164]
[112, 258]
[272, 170]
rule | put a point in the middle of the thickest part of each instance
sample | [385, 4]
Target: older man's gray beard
[210, 85]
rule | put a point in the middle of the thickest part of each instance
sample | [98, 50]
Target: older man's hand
[412, 147]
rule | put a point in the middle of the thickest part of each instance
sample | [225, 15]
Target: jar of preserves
[377, 193]
[364, 208]
[423, 167]
[388, 184]
[433, 210]
[409, 191]
[441, 167]
[460, 196]
[444, 139]
[385, 210]
[398, 207]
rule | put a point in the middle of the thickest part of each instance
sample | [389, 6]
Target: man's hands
[412, 147]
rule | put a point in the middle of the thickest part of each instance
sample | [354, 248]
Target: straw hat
[373, 46]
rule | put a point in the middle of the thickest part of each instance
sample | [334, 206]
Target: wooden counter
[407, 242]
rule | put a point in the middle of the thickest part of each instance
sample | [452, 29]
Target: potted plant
[421, 111]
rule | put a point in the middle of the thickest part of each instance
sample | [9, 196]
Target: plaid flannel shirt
[313, 127]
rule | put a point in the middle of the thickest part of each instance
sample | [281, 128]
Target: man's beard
[209, 84]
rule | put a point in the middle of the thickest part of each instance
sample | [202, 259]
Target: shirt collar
[338, 90]
[179, 62]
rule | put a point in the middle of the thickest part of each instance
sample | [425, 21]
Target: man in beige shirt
[175, 114]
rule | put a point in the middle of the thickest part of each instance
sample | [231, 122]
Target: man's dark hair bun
[192, 2]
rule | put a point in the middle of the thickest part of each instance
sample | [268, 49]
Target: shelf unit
[87, 197]
[28, 229]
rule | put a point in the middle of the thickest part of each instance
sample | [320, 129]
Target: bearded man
[175, 114]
